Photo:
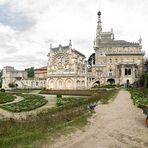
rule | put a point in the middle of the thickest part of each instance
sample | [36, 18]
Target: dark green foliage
[11, 85]
[30, 102]
[142, 80]
[137, 94]
[91, 60]
[1, 73]
[6, 97]
[59, 96]
[30, 72]
[2, 90]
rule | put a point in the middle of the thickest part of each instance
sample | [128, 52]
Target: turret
[99, 27]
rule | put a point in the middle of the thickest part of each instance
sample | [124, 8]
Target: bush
[138, 97]
[6, 97]
[11, 85]
[59, 96]
[2, 90]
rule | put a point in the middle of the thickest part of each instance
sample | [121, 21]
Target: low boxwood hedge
[30, 102]
[6, 97]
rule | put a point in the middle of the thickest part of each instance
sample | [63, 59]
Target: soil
[118, 124]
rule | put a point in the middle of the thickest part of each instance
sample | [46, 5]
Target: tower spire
[99, 27]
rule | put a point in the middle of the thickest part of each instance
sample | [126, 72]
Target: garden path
[118, 124]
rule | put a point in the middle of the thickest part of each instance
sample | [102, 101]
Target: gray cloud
[28, 26]
[16, 20]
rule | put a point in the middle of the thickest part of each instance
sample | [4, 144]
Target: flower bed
[30, 102]
[6, 97]
[138, 97]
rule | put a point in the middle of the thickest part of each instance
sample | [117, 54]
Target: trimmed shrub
[2, 90]
[59, 96]
[30, 102]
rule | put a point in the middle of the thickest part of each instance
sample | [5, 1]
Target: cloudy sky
[28, 26]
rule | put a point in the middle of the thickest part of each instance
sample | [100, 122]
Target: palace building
[116, 62]
[66, 68]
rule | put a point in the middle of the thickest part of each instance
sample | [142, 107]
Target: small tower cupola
[70, 45]
[99, 29]
[140, 40]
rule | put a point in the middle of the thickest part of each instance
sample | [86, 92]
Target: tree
[30, 72]
[11, 85]
[91, 60]
[1, 73]
[144, 78]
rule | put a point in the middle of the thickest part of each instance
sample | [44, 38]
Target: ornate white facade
[66, 68]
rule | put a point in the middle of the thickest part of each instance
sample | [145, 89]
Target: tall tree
[91, 60]
[1, 73]
[30, 72]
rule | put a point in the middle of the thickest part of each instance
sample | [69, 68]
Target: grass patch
[6, 97]
[30, 102]
[109, 95]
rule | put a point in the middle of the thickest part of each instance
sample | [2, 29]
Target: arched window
[37, 83]
[129, 71]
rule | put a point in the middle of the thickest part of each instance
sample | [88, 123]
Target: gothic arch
[50, 83]
[69, 83]
[78, 83]
[59, 84]
[111, 81]
[96, 83]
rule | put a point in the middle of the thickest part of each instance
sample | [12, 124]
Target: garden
[30, 102]
[6, 97]
[71, 112]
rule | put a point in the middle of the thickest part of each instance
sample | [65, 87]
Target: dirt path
[119, 124]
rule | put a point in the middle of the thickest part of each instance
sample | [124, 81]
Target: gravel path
[119, 124]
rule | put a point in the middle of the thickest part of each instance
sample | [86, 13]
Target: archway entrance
[111, 81]
[127, 83]
[97, 83]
